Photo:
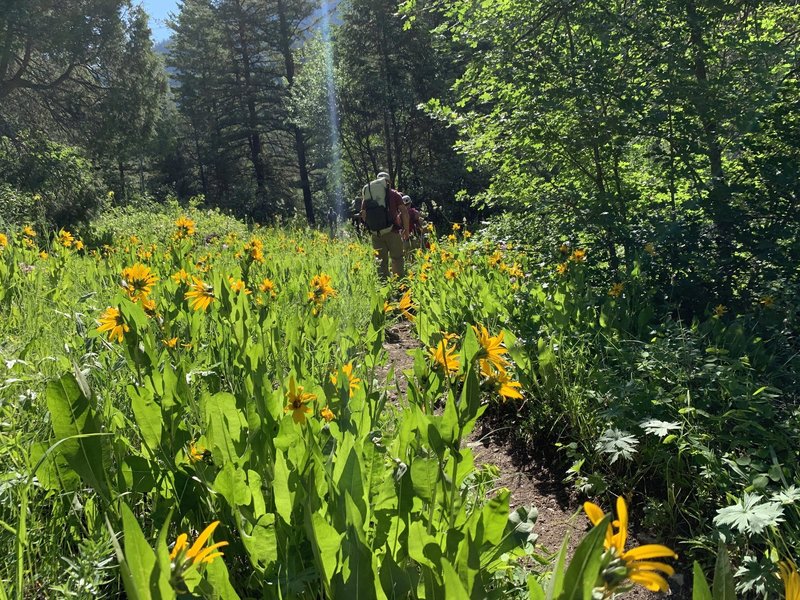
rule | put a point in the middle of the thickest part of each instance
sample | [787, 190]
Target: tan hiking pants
[388, 245]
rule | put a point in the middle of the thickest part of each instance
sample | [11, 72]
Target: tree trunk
[299, 139]
[718, 191]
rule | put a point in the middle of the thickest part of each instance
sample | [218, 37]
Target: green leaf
[556, 584]
[700, 589]
[723, 587]
[424, 477]
[139, 556]
[75, 422]
[216, 581]
[325, 541]
[147, 414]
[583, 570]
[535, 590]
[261, 542]
[231, 483]
[284, 498]
[750, 515]
[452, 583]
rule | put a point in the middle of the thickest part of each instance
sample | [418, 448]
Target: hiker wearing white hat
[386, 217]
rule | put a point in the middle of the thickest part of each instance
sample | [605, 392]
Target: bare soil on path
[530, 482]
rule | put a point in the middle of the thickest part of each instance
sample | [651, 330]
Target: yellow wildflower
[3, 240]
[719, 310]
[237, 286]
[138, 281]
[43, 255]
[171, 342]
[445, 357]
[112, 322]
[561, 268]
[450, 274]
[467, 234]
[78, 245]
[578, 255]
[492, 348]
[195, 452]
[149, 306]
[201, 293]
[181, 277]
[65, 238]
[515, 271]
[268, 287]
[352, 380]
[616, 290]
[451, 238]
[456, 226]
[638, 568]
[185, 228]
[327, 414]
[405, 306]
[500, 380]
[254, 249]
[297, 402]
[320, 291]
[183, 558]
[791, 580]
[28, 230]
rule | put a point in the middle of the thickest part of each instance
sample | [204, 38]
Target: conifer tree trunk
[299, 140]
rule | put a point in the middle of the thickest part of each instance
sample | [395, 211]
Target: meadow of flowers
[195, 408]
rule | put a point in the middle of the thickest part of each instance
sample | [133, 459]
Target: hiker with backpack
[386, 218]
[415, 226]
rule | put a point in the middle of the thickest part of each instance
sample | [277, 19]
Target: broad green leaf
[325, 541]
[139, 556]
[723, 587]
[231, 483]
[453, 585]
[147, 414]
[535, 590]
[700, 589]
[584, 567]
[261, 542]
[216, 581]
[72, 416]
[556, 584]
[424, 477]
[284, 498]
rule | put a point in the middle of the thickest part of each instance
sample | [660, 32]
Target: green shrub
[47, 183]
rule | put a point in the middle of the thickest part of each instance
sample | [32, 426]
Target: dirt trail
[530, 484]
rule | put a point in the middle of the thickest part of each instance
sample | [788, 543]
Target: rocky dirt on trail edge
[530, 484]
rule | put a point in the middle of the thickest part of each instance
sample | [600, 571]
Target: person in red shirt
[389, 242]
[415, 224]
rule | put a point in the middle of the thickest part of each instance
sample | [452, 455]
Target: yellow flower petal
[649, 551]
[646, 565]
[204, 554]
[201, 539]
[180, 544]
[622, 526]
[652, 581]
[594, 512]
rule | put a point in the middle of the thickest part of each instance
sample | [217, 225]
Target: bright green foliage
[190, 416]
[692, 416]
[666, 121]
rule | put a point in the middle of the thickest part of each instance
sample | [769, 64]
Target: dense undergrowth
[177, 371]
[692, 410]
